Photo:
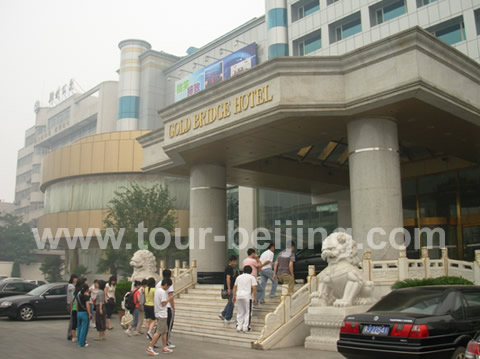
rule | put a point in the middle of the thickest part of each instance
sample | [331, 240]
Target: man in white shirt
[245, 284]
[267, 273]
[167, 274]
[161, 300]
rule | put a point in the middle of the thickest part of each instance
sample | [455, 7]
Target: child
[161, 313]
[83, 315]
[149, 307]
[100, 315]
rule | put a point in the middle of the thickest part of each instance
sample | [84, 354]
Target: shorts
[149, 312]
[162, 327]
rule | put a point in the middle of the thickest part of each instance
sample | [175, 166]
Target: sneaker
[151, 351]
[262, 302]
[128, 332]
[135, 333]
[221, 316]
[166, 350]
[74, 340]
[226, 321]
[273, 296]
[149, 336]
[171, 346]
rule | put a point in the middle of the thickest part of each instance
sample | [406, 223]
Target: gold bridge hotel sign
[220, 112]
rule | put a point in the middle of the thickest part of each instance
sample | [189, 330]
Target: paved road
[46, 338]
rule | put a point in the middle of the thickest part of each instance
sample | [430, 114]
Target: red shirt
[136, 297]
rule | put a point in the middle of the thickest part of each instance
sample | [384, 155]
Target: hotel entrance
[450, 201]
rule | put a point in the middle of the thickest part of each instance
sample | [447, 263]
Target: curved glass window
[95, 192]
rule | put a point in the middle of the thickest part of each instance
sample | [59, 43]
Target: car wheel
[26, 313]
[459, 353]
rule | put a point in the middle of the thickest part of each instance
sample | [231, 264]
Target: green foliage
[120, 290]
[407, 283]
[130, 206]
[81, 270]
[52, 268]
[16, 240]
[16, 270]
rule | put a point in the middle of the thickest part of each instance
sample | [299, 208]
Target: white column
[375, 183]
[208, 218]
[247, 217]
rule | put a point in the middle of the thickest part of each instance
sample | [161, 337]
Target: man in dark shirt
[230, 276]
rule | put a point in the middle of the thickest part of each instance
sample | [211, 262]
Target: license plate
[375, 329]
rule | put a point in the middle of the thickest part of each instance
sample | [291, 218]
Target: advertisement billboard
[228, 66]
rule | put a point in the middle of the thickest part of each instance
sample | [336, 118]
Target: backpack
[129, 301]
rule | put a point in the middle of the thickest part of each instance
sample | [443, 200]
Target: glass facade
[94, 192]
[450, 201]
[285, 211]
[232, 215]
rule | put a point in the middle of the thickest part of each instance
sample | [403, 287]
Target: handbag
[225, 294]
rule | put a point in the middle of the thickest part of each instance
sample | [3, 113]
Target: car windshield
[421, 302]
[38, 290]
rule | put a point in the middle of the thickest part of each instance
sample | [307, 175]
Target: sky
[45, 43]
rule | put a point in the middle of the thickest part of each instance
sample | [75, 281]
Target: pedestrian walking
[149, 307]
[266, 273]
[100, 314]
[254, 262]
[132, 328]
[167, 274]
[161, 314]
[141, 313]
[83, 315]
[110, 299]
[93, 296]
[284, 267]
[70, 292]
[229, 281]
[244, 294]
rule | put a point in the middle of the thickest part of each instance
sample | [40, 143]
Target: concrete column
[208, 219]
[247, 216]
[375, 183]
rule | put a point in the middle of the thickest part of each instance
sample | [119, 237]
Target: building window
[304, 8]
[308, 44]
[330, 2]
[25, 160]
[421, 3]
[451, 31]
[477, 20]
[346, 27]
[386, 10]
[59, 118]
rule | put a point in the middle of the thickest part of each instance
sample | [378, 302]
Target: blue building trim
[276, 50]
[128, 107]
[277, 17]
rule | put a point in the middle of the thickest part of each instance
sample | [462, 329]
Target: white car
[12, 279]
[37, 281]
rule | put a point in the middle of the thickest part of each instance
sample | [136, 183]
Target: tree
[16, 240]
[81, 270]
[130, 206]
[52, 268]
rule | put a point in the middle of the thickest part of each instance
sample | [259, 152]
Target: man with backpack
[132, 303]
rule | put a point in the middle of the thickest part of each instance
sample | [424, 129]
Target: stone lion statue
[144, 265]
[341, 284]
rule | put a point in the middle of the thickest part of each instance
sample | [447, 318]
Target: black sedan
[8, 289]
[46, 300]
[422, 322]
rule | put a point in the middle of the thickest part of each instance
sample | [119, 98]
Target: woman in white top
[110, 301]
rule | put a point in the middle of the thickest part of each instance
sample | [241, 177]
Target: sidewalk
[46, 339]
